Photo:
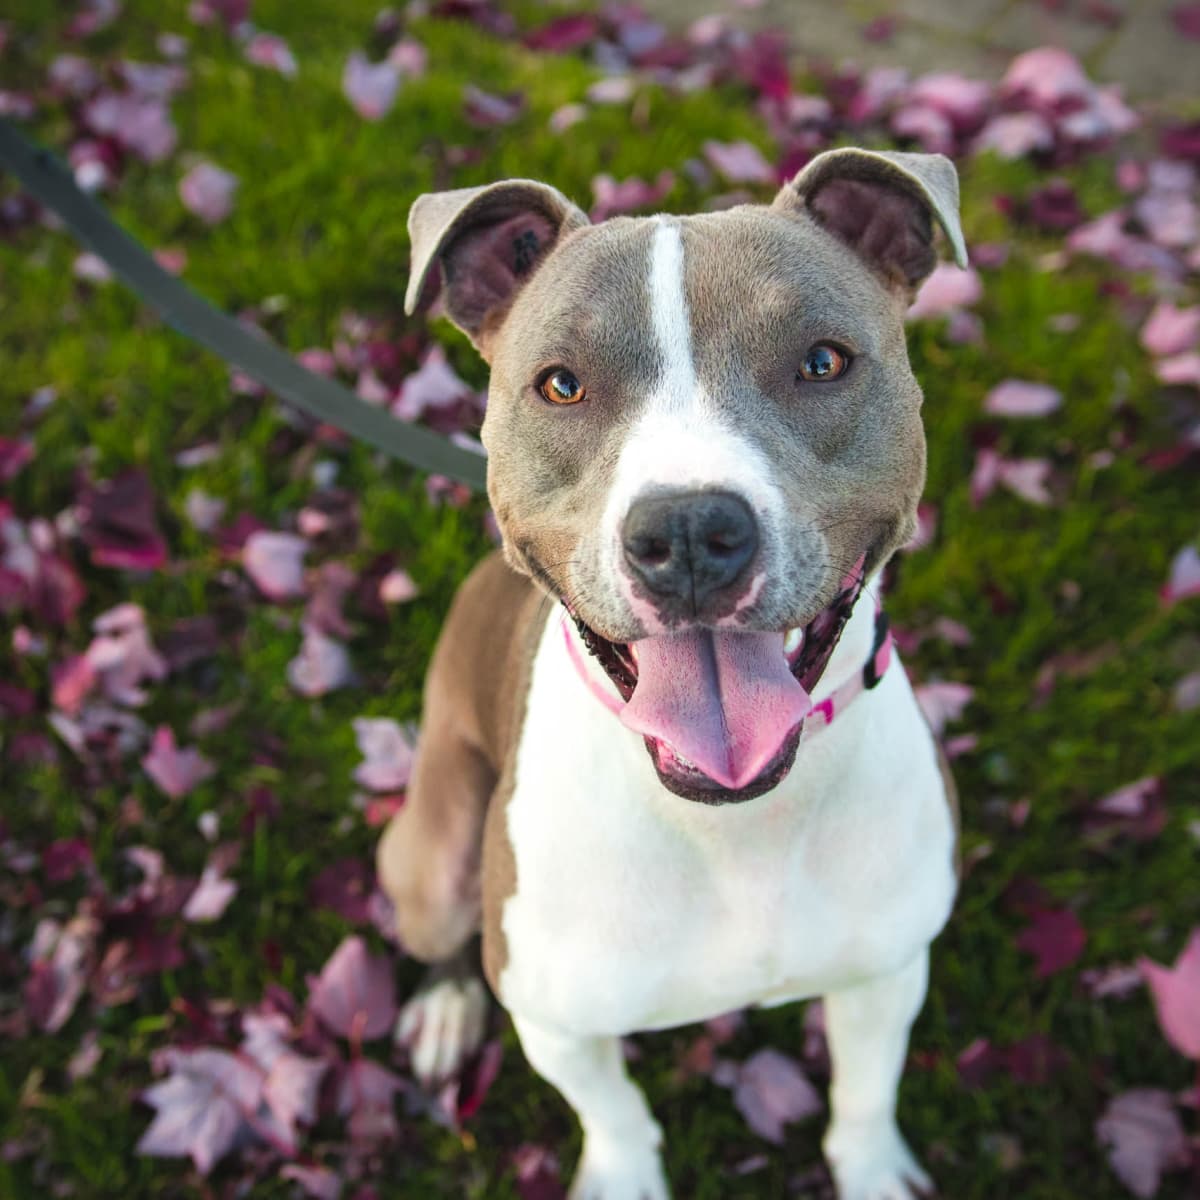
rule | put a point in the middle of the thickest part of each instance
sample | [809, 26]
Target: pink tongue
[723, 701]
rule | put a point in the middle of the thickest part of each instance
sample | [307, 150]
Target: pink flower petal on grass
[275, 562]
[1143, 1136]
[207, 192]
[1171, 330]
[1130, 800]
[772, 1091]
[1019, 398]
[370, 87]
[319, 1183]
[943, 703]
[355, 994]
[616, 196]
[60, 959]
[948, 288]
[1055, 938]
[1179, 369]
[270, 50]
[203, 1106]
[323, 665]
[1184, 579]
[211, 896]
[175, 771]
[1014, 135]
[739, 162]
[387, 754]
[1176, 993]
[1046, 76]
[434, 385]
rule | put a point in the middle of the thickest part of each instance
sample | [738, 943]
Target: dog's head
[703, 433]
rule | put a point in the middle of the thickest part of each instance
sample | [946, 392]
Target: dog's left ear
[882, 205]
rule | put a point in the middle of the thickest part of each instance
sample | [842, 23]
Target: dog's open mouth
[721, 711]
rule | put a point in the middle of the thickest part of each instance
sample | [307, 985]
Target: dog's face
[703, 432]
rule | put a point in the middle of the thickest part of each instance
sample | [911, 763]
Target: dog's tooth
[791, 643]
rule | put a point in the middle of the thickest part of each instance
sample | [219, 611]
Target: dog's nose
[689, 545]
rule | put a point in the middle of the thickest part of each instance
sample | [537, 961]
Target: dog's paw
[442, 1026]
[879, 1167]
[633, 1174]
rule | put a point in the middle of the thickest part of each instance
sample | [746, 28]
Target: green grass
[319, 221]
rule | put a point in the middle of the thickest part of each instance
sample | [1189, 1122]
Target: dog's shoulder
[482, 655]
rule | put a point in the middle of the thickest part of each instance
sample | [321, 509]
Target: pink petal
[409, 57]
[355, 996]
[1179, 369]
[275, 562]
[1046, 76]
[947, 288]
[1027, 478]
[1130, 800]
[1019, 398]
[210, 898]
[1171, 330]
[964, 101]
[175, 771]
[1185, 697]
[320, 1183]
[943, 703]
[739, 162]
[434, 385]
[370, 87]
[207, 192]
[202, 1106]
[772, 1091]
[1184, 580]
[1143, 1135]
[1014, 135]
[925, 124]
[397, 587]
[487, 110]
[270, 50]
[613, 197]
[322, 665]
[60, 960]
[1176, 993]
[1055, 938]
[365, 1096]
[387, 754]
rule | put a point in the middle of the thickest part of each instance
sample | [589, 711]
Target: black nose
[690, 545]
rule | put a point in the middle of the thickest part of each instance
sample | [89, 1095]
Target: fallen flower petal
[275, 562]
[772, 1091]
[1019, 398]
[207, 192]
[370, 87]
[1176, 993]
[1055, 938]
[1184, 579]
[1143, 1135]
[355, 994]
[175, 771]
[323, 665]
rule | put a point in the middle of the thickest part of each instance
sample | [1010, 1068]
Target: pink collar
[824, 711]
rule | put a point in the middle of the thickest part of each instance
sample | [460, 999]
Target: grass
[319, 223]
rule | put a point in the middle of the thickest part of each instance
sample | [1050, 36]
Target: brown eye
[561, 387]
[823, 363]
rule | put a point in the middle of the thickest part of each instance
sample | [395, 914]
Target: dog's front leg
[620, 1138]
[867, 1027]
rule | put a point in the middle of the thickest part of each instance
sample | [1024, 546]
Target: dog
[669, 764]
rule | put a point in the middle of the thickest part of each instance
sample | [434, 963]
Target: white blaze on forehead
[680, 438]
[669, 311]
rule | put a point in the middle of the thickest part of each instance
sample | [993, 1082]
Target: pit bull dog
[669, 765]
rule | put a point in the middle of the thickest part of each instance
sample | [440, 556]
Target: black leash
[52, 184]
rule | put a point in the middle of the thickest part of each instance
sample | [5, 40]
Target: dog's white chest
[636, 909]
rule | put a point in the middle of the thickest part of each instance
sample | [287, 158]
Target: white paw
[442, 1026]
[628, 1172]
[876, 1167]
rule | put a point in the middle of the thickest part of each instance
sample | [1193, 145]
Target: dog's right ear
[489, 241]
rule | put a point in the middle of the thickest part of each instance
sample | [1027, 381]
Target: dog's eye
[823, 363]
[561, 387]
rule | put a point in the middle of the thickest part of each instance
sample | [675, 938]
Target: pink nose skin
[689, 548]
